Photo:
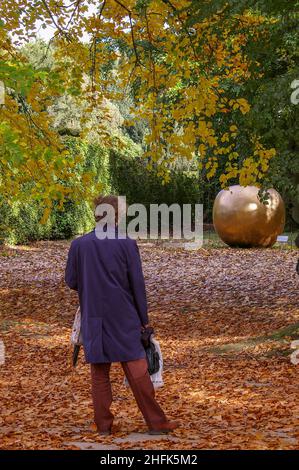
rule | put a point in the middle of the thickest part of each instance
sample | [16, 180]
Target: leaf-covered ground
[228, 377]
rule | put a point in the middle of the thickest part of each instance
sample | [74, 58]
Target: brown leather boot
[169, 426]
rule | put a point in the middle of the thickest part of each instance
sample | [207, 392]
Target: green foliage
[272, 116]
[21, 220]
[20, 223]
[72, 220]
[122, 169]
[129, 177]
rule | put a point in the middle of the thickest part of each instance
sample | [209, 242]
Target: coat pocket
[92, 332]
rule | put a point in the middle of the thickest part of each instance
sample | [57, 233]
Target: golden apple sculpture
[242, 220]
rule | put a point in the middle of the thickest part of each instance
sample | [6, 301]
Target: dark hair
[110, 199]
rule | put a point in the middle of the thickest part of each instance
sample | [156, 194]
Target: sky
[49, 31]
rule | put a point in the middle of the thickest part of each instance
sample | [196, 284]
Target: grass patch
[290, 331]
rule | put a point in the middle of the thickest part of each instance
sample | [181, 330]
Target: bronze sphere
[242, 220]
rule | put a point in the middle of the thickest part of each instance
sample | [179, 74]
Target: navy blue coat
[108, 277]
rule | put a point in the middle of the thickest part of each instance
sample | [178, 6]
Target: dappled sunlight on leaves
[228, 378]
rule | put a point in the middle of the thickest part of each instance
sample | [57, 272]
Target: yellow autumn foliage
[179, 71]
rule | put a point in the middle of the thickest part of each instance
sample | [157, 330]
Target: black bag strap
[146, 336]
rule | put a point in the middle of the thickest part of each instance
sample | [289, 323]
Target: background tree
[181, 58]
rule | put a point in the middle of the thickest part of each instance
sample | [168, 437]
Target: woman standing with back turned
[107, 275]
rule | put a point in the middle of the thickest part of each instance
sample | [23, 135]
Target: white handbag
[157, 378]
[76, 335]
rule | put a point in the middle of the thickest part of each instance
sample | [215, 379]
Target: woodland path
[228, 376]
